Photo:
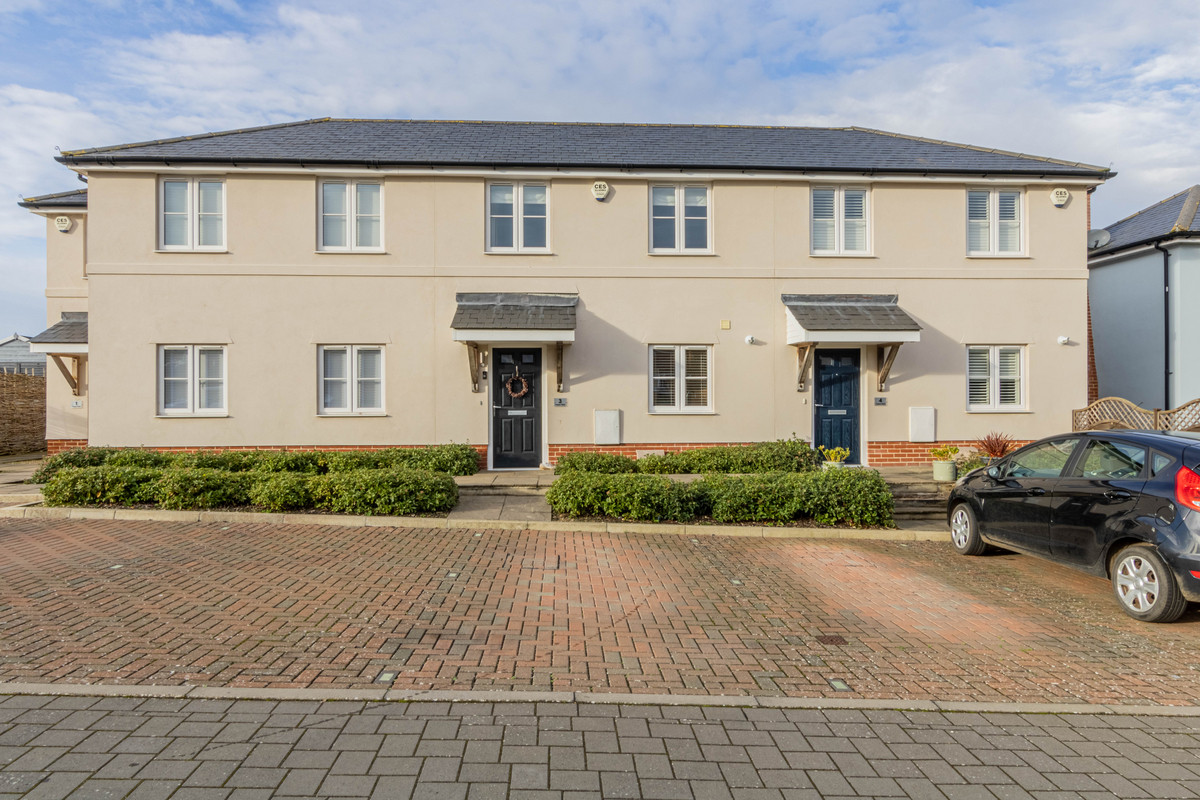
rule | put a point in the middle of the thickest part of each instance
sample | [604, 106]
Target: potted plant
[834, 456]
[994, 445]
[944, 468]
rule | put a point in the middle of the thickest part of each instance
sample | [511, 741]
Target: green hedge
[854, 496]
[364, 491]
[454, 459]
[786, 455]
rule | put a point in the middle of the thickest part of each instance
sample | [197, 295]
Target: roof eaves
[42, 199]
[1156, 239]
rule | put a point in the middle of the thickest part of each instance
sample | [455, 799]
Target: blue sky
[1104, 82]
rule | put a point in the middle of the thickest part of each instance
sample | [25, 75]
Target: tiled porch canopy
[67, 338]
[835, 319]
[486, 318]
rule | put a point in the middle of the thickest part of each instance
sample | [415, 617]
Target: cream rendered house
[533, 288]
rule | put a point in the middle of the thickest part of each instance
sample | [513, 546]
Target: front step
[502, 491]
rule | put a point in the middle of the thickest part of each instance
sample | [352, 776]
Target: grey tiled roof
[849, 312]
[513, 311]
[72, 328]
[556, 144]
[1175, 216]
[73, 199]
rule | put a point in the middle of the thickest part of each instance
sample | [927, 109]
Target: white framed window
[680, 219]
[517, 217]
[680, 379]
[995, 377]
[351, 216]
[191, 214]
[191, 380]
[994, 222]
[840, 221]
[350, 378]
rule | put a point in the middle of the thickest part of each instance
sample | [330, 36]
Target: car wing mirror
[993, 473]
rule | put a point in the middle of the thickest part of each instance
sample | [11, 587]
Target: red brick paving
[298, 606]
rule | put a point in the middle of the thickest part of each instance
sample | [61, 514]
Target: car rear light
[1187, 488]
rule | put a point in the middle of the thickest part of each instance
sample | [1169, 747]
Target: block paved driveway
[314, 606]
[83, 747]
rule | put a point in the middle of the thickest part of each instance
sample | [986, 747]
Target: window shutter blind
[1008, 228]
[978, 228]
[175, 378]
[335, 370]
[1009, 359]
[663, 376]
[370, 379]
[855, 222]
[696, 377]
[824, 222]
[978, 374]
[212, 378]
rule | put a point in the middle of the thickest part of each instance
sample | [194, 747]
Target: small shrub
[76, 457]
[281, 491]
[651, 498]
[995, 445]
[384, 491]
[135, 457]
[307, 461]
[100, 486]
[641, 497]
[585, 461]
[944, 453]
[189, 488]
[229, 460]
[765, 497]
[579, 494]
[785, 455]
[860, 497]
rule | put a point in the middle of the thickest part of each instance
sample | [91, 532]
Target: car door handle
[1117, 494]
[1035, 492]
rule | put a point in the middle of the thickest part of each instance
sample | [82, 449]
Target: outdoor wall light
[750, 340]
[1064, 340]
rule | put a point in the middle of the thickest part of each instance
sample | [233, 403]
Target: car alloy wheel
[964, 531]
[1145, 586]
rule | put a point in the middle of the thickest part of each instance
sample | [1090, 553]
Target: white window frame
[193, 408]
[839, 216]
[993, 405]
[193, 214]
[351, 187]
[352, 394]
[678, 406]
[993, 193]
[518, 217]
[679, 248]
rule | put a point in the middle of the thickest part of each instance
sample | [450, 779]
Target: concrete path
[137, 748]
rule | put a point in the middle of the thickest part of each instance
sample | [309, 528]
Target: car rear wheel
[1145, 586]
[964, 531]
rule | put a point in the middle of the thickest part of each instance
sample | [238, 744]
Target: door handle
[1117, 494]
[1035, 492]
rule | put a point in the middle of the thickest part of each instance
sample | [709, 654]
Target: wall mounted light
[1064, 340]
[750, 340]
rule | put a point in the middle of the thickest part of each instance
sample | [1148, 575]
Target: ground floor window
[995, 378]
[680, 378]
[351, 379]
[191, 379]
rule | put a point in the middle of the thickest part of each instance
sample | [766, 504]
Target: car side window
[1105, 460]
[1159, 463]
[1042, 461]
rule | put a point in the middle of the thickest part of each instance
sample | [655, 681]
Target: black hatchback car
[1120, 504]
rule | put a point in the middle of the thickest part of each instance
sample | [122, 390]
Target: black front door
[516, 408]
[835, 389]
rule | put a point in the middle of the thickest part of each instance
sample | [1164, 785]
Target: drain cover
[832, 639]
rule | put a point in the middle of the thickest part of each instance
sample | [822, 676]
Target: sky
[1105, 82]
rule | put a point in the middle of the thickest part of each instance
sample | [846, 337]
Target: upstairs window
[680, 379]
[995, 378]
[351, 378]
[191, 214]
[191, 380]
[679, 219]
[351, 215]
[839, 221]
[994, 222]
[517, 217]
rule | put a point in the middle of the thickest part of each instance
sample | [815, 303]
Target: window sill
[190, 251]
[697, 413]
[843, 255]
[221, 415]
[518, 252]
[350, 414]
[990, 256]
[999, 411]
[676, 254]
[358, 252]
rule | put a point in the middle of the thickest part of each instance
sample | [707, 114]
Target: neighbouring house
[16, 359]
[1144, 289]
[535, 288]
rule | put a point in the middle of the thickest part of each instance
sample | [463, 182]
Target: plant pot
[834, 464]
[945, 471]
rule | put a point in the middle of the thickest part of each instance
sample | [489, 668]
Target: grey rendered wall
[1127, 309]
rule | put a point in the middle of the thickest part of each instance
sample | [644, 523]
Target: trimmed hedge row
[357, 491]
[787, 455]
[453, 459]
[859, 497]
